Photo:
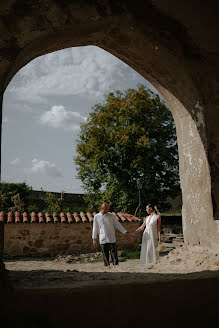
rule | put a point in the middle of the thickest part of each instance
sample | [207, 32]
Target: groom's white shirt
[104, 225]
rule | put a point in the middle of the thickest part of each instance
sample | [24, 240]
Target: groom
[104, 224]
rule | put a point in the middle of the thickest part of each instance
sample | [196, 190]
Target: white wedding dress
[149, 252]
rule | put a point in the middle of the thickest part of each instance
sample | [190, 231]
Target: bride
[151, 225]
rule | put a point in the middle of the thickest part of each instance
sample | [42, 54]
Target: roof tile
[33, 218]
[48, 218]
[90, 216]
[70, 219]
[63, 218]
[122, 217]
[55, 217]
[83, 217]
[77, 217]
[41, 218]
[25, 217]
[10, 217]
[18, 217]
[2, 216]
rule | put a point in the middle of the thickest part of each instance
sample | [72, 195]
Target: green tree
[33, 208]
[52, 203]
[2, 200]
[18, 203]
[128, 139]
[9, 190]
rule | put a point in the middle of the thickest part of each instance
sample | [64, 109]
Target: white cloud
[81, 71]
[59, 117]
[44, 167]
[15, 161]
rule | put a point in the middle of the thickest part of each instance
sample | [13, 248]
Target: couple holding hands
[105, 223]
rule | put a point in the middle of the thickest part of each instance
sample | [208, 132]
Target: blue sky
[43, 108]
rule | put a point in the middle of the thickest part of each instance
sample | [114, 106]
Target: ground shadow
[50, 298]
[72, 278]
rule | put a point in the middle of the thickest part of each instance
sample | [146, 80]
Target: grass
[129, 255]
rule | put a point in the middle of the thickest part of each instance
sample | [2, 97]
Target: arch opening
[192, 149]
[27, 95]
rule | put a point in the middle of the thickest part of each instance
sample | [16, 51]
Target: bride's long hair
[154, 208]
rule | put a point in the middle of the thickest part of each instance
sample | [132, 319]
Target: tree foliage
[18, 203]
[128, 139]
[13, 195]
[2, 200]
[52, 203]
[17, 197]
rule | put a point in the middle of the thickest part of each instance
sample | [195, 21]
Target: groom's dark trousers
[109, 248]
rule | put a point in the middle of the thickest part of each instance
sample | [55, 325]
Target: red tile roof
[33, 217]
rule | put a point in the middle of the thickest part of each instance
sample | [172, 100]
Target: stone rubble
[79, 258]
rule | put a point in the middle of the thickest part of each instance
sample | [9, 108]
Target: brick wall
[51, 239]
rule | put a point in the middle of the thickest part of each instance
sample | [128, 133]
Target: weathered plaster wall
[199, 226]
[51, 239]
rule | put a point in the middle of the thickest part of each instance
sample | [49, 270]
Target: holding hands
[128, 235]
[132, 234]
[95, 243]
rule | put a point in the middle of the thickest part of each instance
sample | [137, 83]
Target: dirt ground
[182, 262]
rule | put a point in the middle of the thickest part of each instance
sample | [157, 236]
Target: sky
[43, 107]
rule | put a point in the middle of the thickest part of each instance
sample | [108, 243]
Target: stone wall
[51, 239]
[70, 200]
[1, 246]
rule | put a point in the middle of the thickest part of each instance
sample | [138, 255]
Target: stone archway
[197, 211]
[167, 45]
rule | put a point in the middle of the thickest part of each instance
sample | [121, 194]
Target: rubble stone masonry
[50, 239]
[1, 246]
